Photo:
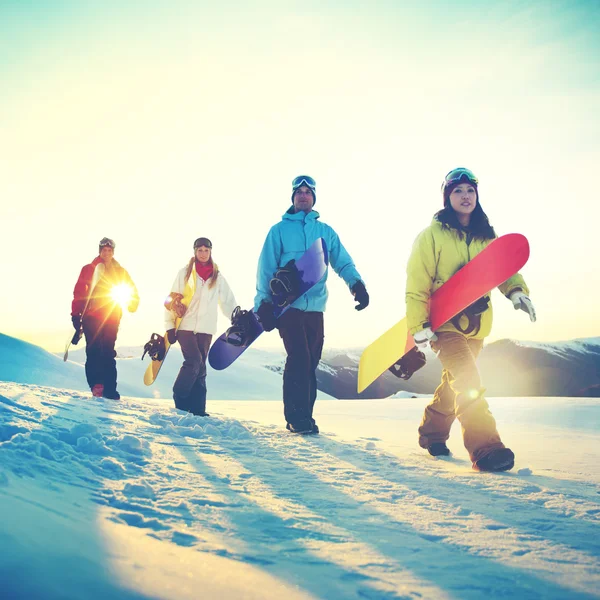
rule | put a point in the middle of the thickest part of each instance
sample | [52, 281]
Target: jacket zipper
[305, 249]
[469, 239]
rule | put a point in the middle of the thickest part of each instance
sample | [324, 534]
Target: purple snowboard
[312, 265]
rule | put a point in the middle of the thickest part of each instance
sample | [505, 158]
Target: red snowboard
[499, 261]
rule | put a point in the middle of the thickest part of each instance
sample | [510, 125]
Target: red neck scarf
[204, 270]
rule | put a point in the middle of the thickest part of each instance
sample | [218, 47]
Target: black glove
[172, 336]
[360, 295]
[76, 320]
[266, 316]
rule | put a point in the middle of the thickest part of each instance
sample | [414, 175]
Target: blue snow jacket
[289, 239]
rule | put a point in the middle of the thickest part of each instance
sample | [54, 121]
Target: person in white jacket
[197, 291]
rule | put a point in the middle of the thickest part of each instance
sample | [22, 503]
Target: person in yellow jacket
[457, 234]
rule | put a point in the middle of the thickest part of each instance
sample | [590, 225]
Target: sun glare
[121, 294]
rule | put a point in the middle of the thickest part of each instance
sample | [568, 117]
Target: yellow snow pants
[460, 395]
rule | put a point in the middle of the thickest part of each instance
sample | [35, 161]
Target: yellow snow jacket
[437, 254]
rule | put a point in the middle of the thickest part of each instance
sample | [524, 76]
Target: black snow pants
[189, 389]
[302, 334]
[100, 364]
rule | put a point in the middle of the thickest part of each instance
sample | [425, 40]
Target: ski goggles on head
[202, 241]
[304, 180]
[107, 242]
[459, 174]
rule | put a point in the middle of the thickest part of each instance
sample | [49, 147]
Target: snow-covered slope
[135, 500]
[23, 362]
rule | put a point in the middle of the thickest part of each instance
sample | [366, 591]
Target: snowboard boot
[112, 395]
[438, 449]
[500, 459]
[98, 390]
[199, 414]
[301, 426]
[315, 427]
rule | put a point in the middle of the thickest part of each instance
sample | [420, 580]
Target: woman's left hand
[523, 302]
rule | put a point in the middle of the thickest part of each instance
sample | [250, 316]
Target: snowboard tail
[153, 369]
[155, 365]
[499, 261]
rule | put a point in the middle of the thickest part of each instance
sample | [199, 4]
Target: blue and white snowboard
[311, 266]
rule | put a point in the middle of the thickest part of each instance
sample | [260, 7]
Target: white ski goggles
[107, 242]
[304, 180]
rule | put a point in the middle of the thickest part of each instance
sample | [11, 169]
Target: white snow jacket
[201, 314]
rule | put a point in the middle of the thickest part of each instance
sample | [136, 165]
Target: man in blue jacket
[301, 327]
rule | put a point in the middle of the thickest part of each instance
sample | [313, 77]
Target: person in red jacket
[103, 287]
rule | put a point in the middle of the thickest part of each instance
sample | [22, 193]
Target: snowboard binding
[473, 313]
[241, 330]
[155, 348]
[285, 284]
[409, 364]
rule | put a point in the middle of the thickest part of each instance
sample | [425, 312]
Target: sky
[155, 123]
[135, 500]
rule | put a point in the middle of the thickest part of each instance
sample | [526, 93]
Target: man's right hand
[76, 320]
[266, 316]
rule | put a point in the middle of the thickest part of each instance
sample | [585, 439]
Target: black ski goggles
[202, 242]
[304, 180]
[457, 175]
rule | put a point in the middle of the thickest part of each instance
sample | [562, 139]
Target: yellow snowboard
[383, 352]
[155, 365]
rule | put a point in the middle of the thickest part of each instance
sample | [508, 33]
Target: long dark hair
[479, 224]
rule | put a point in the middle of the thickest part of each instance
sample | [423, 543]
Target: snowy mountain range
[508, 368]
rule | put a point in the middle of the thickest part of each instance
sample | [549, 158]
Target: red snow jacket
[101, 305]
